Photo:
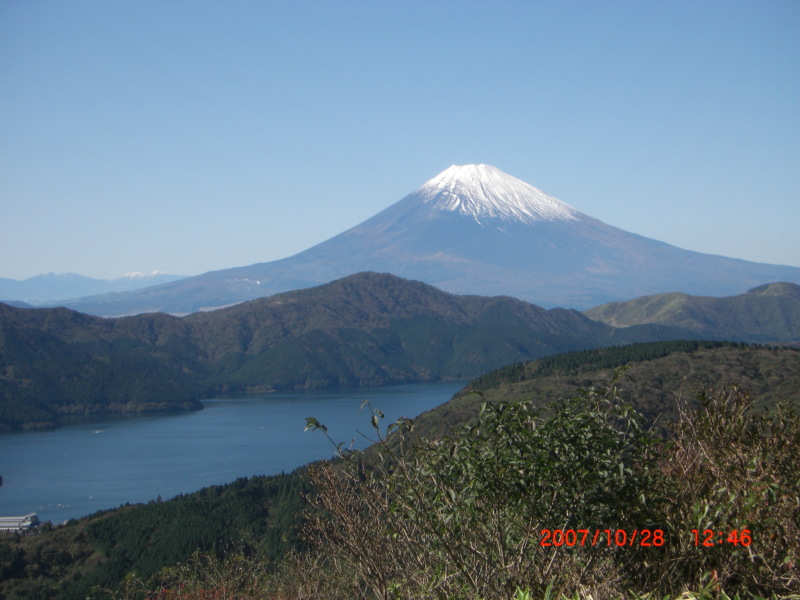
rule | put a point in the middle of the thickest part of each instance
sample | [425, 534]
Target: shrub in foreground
[581, 502]
[467, 517]
[464, 517]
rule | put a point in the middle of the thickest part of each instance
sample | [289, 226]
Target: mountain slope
[57, 362]
[376, 329]
[472, 230]
[367, 329]
[768, 313]
[657, 375]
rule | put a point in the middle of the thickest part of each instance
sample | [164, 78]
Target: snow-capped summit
[486, 192]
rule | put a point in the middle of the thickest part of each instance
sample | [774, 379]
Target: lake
[90, 465]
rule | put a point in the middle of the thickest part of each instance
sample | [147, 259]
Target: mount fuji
[472, 229]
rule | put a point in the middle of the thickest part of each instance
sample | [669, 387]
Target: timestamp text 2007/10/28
[611, 537]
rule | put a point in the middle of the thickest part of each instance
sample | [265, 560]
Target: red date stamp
[602, 537]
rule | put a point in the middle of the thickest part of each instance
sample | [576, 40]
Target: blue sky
[192, 136]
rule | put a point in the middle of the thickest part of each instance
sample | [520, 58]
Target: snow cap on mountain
[485, 192]
[141, 275]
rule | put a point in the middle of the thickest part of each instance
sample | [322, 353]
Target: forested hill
[56, 362]
[768, 313]
[655, 376]
[367, 329]
[74, 560]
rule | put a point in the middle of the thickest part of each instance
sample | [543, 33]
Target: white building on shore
[19, 523]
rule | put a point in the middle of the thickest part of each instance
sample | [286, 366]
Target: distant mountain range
[366, 329]
[471, 230]
[53, 288]
[768, 313]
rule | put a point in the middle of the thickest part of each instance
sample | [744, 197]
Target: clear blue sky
[190, 136]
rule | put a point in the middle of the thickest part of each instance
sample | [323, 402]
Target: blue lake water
[93, 465]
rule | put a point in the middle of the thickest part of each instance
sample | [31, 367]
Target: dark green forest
[258, 515]
[364, 330]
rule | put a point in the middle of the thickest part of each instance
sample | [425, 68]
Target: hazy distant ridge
[51, 288]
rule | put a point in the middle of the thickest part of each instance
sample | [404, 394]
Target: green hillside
[656, 376]
[364, 330]
[56, 362]
[259, 514]
[768, 313]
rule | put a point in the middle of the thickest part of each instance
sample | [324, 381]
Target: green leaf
[313, 424]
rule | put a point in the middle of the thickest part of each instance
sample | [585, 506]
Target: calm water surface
[93, 465]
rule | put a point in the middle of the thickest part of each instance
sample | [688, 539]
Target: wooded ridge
[765, 314]
[364, 330]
